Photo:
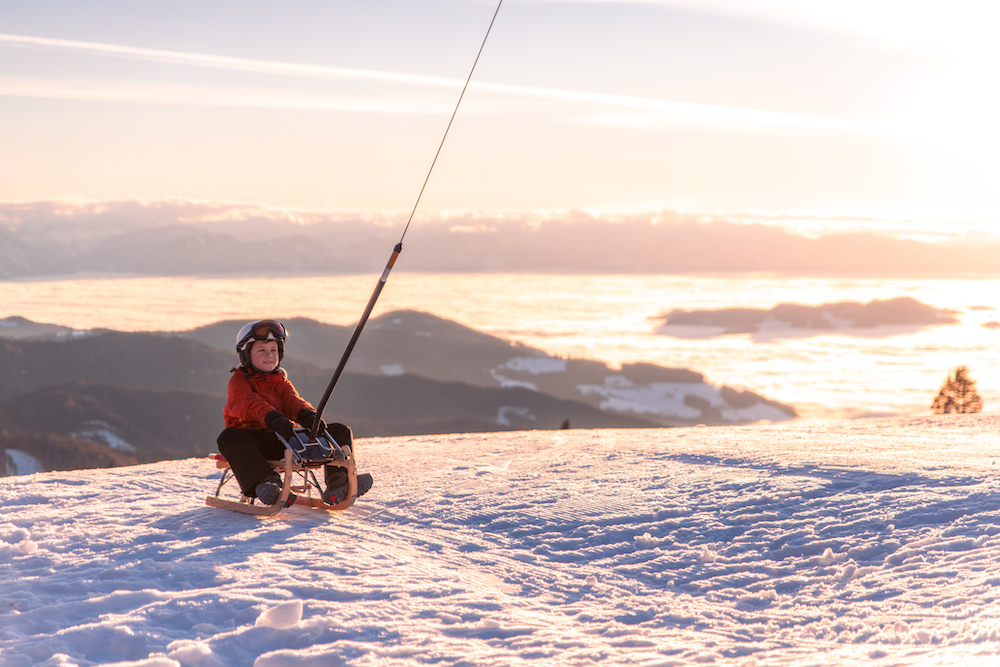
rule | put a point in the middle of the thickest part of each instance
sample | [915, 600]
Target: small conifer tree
[958, 395]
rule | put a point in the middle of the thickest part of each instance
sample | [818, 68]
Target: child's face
[264, 355]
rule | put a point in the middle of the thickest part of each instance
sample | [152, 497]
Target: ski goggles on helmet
[263, 330]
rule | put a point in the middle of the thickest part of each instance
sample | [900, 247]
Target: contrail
[227, 62]
[701, 114]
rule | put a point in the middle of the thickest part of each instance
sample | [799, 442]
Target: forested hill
[153, 396]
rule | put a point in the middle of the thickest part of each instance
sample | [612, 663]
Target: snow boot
[269, 491]
[336, 493]
[365, 482]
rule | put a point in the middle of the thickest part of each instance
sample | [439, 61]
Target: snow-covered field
[843, 543]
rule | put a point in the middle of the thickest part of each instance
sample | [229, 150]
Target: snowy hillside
[424, 344]
[847, 543]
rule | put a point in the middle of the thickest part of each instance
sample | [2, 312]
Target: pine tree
[958, 394]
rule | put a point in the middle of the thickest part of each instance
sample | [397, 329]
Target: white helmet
[260, 330]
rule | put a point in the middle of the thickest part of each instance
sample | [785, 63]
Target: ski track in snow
[842, 543]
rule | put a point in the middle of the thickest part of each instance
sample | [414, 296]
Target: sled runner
[298, 473]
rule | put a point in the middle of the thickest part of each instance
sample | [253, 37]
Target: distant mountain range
[187, 238]
[153, 396]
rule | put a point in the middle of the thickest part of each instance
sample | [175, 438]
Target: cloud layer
[197, 238]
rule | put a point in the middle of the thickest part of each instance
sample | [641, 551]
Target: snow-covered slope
[17, 462]
[851, 543]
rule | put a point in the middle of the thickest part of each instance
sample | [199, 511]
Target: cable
[448, 129]
[395, 253]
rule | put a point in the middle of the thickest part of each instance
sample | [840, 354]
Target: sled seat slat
[279, 466]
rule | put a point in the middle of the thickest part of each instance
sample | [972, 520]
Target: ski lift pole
[395, 252]
[354, 341]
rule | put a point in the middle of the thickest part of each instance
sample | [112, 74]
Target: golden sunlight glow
[716, 114]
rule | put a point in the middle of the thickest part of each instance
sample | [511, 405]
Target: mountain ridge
[159, 395]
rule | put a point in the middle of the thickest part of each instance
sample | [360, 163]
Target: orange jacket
[252, 396]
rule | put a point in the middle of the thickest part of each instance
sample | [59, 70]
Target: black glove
[307, 418]
[279, 423]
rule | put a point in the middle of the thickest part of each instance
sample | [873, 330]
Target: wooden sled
[297, 477]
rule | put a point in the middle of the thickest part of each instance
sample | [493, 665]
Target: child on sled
[261, 403]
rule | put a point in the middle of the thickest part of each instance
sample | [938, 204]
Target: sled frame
[298, 476]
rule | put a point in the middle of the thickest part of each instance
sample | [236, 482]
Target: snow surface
[21, 463]
[846, 543]
[503, 414]
[101, 432]
[507, 383]
[670, 399]
[537, 365]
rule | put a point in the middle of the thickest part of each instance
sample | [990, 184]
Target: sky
[879, 108]
[731, 547]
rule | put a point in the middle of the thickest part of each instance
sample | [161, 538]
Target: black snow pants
[249, 450]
